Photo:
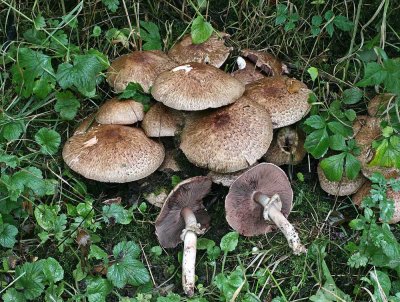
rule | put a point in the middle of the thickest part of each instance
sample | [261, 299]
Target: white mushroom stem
[189, 237]
[272, 212]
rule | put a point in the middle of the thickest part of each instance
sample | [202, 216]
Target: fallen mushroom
[261, 196]
[183, 217]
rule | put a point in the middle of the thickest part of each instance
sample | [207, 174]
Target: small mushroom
[260, 198]
[268, 63]
[161, 121]
[113, 153]
[170, 163]
[139, 67]
[213, 51]
[196, 86]
[121, 112]
[287, 147]
[228, 139]
[286, 99]
[340, 188]
[247, 72]
[182, 218]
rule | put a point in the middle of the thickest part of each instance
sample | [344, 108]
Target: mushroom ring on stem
[261, 195]
[183, 217]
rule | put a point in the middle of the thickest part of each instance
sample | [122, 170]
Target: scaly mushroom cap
[138, 67]
[187, 194]
[247, 72]
[246, 215]
[170, 163]
[213, 51]
[286, 99]
[287, 147]
[113, 153]
[390, 194]
[161, 121]
[228, 139]
[268, 63]
[340, 188]
[121, 112]
[367, 129]
[378, 104]
[196, 86]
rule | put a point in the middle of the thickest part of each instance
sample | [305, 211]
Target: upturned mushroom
[121, 112]
[213, 51]
[138, 67]
[113, 153]
[228, 139]
[286, 99]
[259, 199]
[183, 217]
[287, 147]
[196, 86]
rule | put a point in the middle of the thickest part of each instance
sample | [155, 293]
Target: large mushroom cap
[196, 86]
[161, 121]
[286, 99]
[340, 188]
[122, 112]
[247, 72]
[113, 153]
[213, 51]
[187, 194]
[287, 147]
[246, 215]
[266, 62]
[139, 67]
[229, 139]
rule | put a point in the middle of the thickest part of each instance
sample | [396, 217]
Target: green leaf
[201, 30]
[52, 270]
[313, 72]
[343, 23]
[352, 166]
[316, 20]
[333, 166]
[126, 269]
[67, 105]
[382, 285]
[112, 5]
[317, 143]
[387, 153]
[150, 34]
[352, 96]
[9, 160]
[350, 114]
[39, 22]
[7, 235]
[116, 213]
[373, 75]
[97, 253]
[96, 31]
[135, 91]
[339, 128]
[97, 289]
[82, 74]
[29, 278]
[337, 142]
[204, 243]
[229, 242]
[316, 122]
[156, 250]
[387, 209]
[33, 73]
[49, 140]
[12, 295]
[13, 130]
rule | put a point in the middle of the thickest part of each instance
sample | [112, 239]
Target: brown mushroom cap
[340, 188]
[390, 194]
[378, 104]
[196, 86]
[242, 212]
[161, 121]
[170, 163]
[113, 153]
[287, 147]
[286, 99]
[247, 73]
[268, 63]
[213, 51]
[121, 112]
[368, 131]
[189, 193]
[228, 139]
[139, 67]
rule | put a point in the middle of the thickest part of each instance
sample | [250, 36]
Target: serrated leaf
[12, 295]
[343, 23]
[117, 213]
[352, 96]
[112, 5]
[52, 270]
[39, 22]
[317, 143]
[67, 105]
[316, 20]
[352, 166]
[7, 235]
[150, 34]
[33, 73]
[49, 140]
[97, 289]
[29, 278]
[332, 166]
[387, 209]
[9, 160]
[201, 30]
[12, 130]
[387, 153]
[229, 242]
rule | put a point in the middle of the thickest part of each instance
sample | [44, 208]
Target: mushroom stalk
[272, 212]
[189, 237]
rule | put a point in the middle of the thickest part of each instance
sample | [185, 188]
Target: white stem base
[272, 212]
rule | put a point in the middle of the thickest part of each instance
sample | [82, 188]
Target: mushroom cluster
[225, 124]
